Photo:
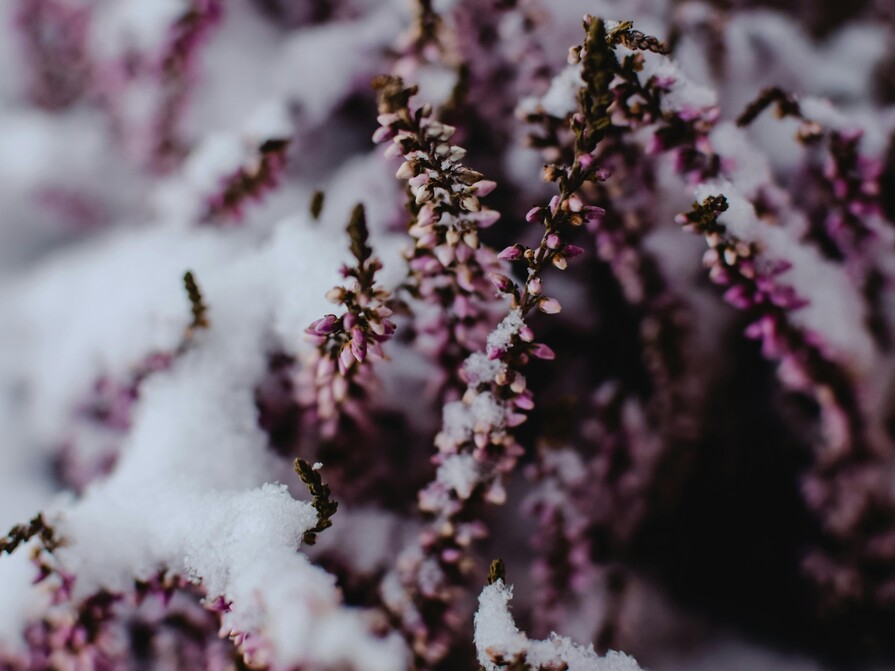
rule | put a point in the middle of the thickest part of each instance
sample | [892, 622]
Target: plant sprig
[497, 571]
[787, 105]
[197, 303]
[318, 199]
[359, 236]
[323, 503]
[22, 533]
[567, 209]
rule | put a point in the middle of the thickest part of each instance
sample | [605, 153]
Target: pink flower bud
[444, 254]
[382, 134]
[484, 187]
[496, 494]
[346, 360]
[324, 326]
[340, 389]
[335, 295]
[465, 279]
[511, 253]
[549, 306]
[534, 286]
[533, 215]
[524, 402]
[451, 555]
[470, 204]
[738, 297]
[462, 307]
[427, 241]
[542, 351]
[503, 283]
[426, 216]
[415, 181]
[359, 350]
[485, 218]
[325, 368]
[423, 194]
[358, 344]
[592, 213]
[516, 418]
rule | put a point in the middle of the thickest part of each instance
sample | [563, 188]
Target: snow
[479, 368]
[123, 25]
[269, 120]
[824, 112]
[192, 490]
[684, 94]
[496, 634]
[365, 538]
[746, 166]
[502, 335]
[768, 48]
[20, 600]
[460, 473]
[240, 545]
[561, 98]
[119, 300]
[32, 144]
[231, 80]
[300, 77]
[480, 411]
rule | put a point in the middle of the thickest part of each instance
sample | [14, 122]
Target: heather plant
[447, 266]
[338, 372]
[608, 298]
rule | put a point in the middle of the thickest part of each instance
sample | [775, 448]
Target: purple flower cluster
[447, 265]
[348, 344]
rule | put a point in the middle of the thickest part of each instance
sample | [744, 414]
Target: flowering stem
[447, 267]
[346, 342]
